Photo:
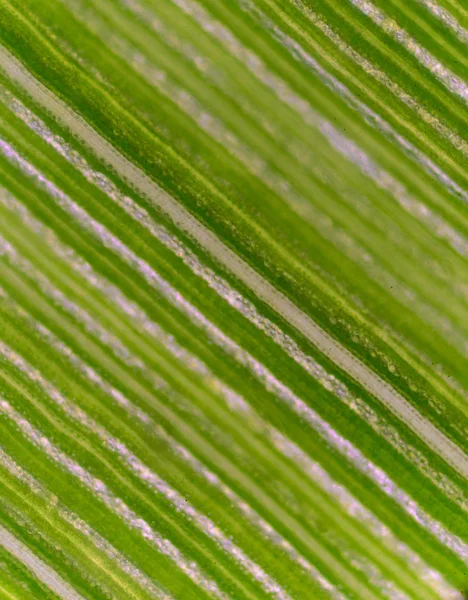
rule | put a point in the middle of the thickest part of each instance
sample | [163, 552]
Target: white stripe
[83, 527]
[260, 372]
[369, 115]
[430, 118]
[318, 218]
[148, 476]
[183, 506]
[181, 451]
[40, 569]
[455, 84]
[263, 289]
[114, 503]
[446, 18]
[234, 298]
[313, 470]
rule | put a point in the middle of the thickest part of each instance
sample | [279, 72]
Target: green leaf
[233, 299]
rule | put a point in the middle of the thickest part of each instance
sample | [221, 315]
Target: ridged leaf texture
[233, 299]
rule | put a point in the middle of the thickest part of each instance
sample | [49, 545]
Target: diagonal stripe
[263, 289]
[42, 571]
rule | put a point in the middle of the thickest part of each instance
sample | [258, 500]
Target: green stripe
[233, 302]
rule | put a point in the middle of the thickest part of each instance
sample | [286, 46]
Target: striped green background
[233, 299]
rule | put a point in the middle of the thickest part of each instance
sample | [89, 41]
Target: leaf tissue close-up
[233, 299]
